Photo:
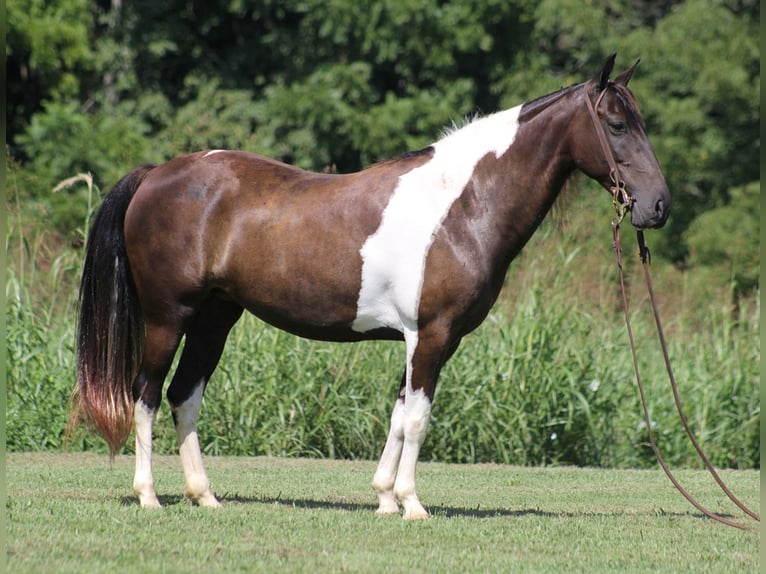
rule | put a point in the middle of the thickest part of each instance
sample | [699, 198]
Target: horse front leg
[415, 418]
[385, 475]
[394, 479]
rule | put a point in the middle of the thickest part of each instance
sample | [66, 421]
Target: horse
[413, 249]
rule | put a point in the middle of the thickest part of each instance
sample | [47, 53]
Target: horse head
[611, 146]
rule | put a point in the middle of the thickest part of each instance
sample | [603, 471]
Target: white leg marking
[143, 481]
[196, 484]
[409, 425]
[385, 475]
[417, 411]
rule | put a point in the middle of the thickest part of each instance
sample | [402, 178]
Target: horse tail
[110, 328]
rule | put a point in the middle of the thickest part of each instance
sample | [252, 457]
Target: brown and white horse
[414, 248]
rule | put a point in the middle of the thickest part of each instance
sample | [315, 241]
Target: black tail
[110, 329]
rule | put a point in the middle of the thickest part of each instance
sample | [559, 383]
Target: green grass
[76, 513]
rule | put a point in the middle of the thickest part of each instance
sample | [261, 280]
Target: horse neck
[523, 183]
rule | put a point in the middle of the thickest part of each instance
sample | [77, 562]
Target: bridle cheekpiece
[622, 200]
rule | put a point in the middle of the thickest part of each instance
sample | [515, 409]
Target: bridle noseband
[621, 199]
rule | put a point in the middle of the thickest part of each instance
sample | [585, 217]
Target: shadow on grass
[436, 511]
[445, 511]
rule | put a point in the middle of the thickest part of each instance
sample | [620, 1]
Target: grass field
[76, 513]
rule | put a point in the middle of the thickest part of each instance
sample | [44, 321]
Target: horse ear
[603, 81]
[625, 77]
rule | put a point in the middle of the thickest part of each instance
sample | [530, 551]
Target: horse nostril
[659, 207]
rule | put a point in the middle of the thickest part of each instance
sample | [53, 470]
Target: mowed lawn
[76, 513]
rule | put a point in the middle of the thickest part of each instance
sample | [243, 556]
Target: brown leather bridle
[622, 200]
[623, 203]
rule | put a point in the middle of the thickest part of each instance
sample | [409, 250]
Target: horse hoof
[207, 501]
[149, 502]
[387, 510]
[417, 514]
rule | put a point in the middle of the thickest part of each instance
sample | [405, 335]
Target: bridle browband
[623, 202]
[621, 199]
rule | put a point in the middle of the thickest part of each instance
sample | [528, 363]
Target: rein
[644, 254]
[623, 203]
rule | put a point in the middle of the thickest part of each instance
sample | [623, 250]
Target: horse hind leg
[205, 340]
[160, 345]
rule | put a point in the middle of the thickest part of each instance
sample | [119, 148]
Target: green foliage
[213, 118]
[62, 142]
[40, 308]
[48, 55]
[726, 239]
[39, 376]
[338, 85]
[310, 123]
[332, 119]
[707, 118]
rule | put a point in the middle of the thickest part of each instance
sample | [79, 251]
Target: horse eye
[618, 127]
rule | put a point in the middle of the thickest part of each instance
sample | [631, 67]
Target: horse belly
[320, 313]
[300, 284]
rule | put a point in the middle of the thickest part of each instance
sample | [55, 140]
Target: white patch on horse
[393, 258]
[415, 418]
[213, 152]
[197, 486]
[143, 481]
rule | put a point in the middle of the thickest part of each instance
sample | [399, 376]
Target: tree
[47, 55]
[339, 84]
[726, 239]
[702, 102]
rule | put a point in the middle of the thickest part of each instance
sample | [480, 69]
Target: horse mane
[529, 109]
[627, 98]
[537, 105]
[457, 126]
[629, 101]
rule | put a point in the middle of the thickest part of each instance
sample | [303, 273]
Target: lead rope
[623, 203]
[644, 254]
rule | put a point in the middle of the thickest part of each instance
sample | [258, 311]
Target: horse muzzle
[650, 213]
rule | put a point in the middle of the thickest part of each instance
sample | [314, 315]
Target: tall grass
[547, 379]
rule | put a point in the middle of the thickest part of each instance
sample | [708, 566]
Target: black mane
[530, 109]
